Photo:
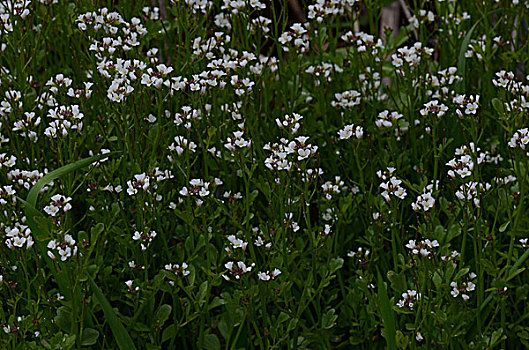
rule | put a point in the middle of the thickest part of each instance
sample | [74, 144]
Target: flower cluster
[386, 120]
[460, 289]
[290, 122]
[236, 243]
[57, 203]
[26, 179]
[364, 43]
[297, 36]
[322, 9]
[179, 145]
[350, 130]
[469, 191]
[267, 276]
[469, 104]
[520, 139]
[347, 99]
[434, 108]
[237, 269]
[409, 299]
[27, 127]
[424, 201]
[392, 185]
[438, 84]
[424, 248]
[464, 165]
[361, 255]
[237, 141]
[199, 187]
[132, 289]
[329, 188]
[147, 182]
[178, 269]
[283, 152]
[411, 56]
[323, 72]
[64, 118]
[18, 236]
[65, 248]
[144, 237]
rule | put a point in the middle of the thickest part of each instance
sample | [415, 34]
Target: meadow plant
[202, 174]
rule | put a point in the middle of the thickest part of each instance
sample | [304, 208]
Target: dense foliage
[224, 174]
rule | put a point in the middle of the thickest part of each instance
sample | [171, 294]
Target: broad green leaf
[89, 336]
[64, 319]
[461, 273]
[163, 313]
[168, 333]
[398, 281]
[437, 280]
[224, 328]
[211, 342]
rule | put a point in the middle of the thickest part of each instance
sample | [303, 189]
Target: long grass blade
[120, 333]
[388, 317]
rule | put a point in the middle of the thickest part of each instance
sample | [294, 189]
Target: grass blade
[31, 212]
[62, 171]
[120, 333]
[461, 62]
[519, 262]
[388, 317]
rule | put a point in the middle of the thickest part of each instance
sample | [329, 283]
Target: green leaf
[402, 340]
[96, 231]
[461, 273]
[202, 291]
[282, 317]
[398, 281]
[224, 328]
[64, 319]
[216, 302]
[169, 333]
[89, 337]
[329, 319]
[120, 333]
[211, 342]
[514, 273]
[519, 262]
[388, 317]
[504, 226]
[436, 279]
[335, 265]
[163, 314]
[497, 105]
[496, 337]
[292, 324]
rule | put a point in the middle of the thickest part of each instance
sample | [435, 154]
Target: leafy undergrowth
[207, 175]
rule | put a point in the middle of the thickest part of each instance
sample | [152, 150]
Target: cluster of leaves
[212, 174]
